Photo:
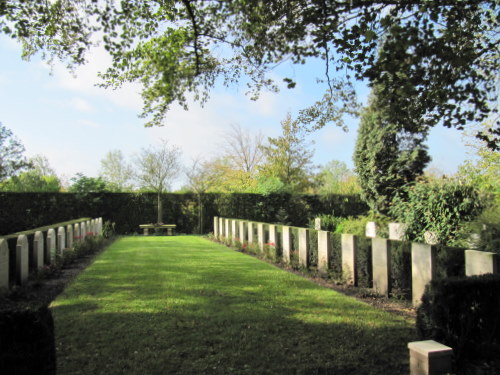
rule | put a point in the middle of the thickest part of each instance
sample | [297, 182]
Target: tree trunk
[160, 210]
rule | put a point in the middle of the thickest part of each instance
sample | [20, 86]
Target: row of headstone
[423, 256]
[46, 244]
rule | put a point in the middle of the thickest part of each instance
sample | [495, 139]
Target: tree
[41, 165]
[173, 48]
[386, 157]
[12, 159]
[336, 178]
[84, 184]
[243, 149]
[157, 168]
[116, 171]
[288, 158]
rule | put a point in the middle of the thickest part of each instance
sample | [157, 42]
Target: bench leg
[146, 231]
[169, 231]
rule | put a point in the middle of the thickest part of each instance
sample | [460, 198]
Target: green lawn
[185, 305]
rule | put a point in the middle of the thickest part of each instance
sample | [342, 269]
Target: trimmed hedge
[463, 313]
[22, 211]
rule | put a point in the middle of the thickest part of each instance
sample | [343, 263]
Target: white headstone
[304, 247]
[22, 259]
[69, 236]
[76, 233]
[243, 232]
[480, 262]
[349, 252]
[423, 269]
[50, 250]
[216, 227]
[381, 264]
[99, 226]
[371, 229]
[250, 231]
[260, 236]
[38, 250]
[287, 244]
[61, 240]
[317, 223]
[4, 264]
[83, 230]
[324, 249]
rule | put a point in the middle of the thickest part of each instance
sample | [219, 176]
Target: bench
[168, 227]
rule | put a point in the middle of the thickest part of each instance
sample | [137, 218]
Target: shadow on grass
[226, 316]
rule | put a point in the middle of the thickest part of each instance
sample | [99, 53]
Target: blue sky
[74, 124]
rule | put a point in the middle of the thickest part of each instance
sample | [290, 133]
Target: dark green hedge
[463, 313]
[22, 211]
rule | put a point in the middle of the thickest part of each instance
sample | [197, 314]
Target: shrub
[463, 314]
[401, 269]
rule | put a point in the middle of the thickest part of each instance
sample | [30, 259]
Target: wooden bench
[168, 227]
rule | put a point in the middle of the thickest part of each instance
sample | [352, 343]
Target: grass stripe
[184, 305]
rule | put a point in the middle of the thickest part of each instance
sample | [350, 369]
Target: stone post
[243, 233]
[38, 250]
[69, 236]
[381, 262]
[371, 229]
[61, 240]
[216, 227]
[349, 250]
[261, 236]
[397, 231]
[250, 231]
[50, 252]
[287, 244]
[22, 261]
[429, 358]
[324, 250]
[304, 247]
[480, 262]
[4, 264]
[423, 269]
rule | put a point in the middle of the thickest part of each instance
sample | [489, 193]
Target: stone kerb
[61, 240]
[4, 264]
[324, 250]
[371, 229]
[349, 250]
[250, 228]
[50, 251]
[216, 227]
[38, 250]
[397, 231]
[242, 231]
[304, 247]
[480, 262]
[83, 230]
[423, 269]
[261, 240]
[76, 233]
[22, 259]
[69, 236]
[381, 263]
[287, 243]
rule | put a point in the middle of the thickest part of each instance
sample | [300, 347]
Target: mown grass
[185, 305]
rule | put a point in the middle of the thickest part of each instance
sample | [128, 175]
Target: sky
[73, 123]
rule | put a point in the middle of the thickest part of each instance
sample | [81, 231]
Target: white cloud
[81, 105]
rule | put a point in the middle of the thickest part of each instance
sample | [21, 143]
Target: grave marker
[371, 229]
[381, 261]
[61, 240]
[324, 250]
[480, 262]
[69, 236]
[38, 250]
[22, 259]
[242, 229]
[50, 251]
[304, 247]
[349, 250]
[423, 269]
[287, 244]
[4, 264]
[260, 236]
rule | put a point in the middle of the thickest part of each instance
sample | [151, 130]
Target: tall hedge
[23, 211]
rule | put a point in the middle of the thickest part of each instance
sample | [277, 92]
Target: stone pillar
[243, 233]
[61, 240]
[22, 259]
[216, 227]
[287, 244]
[324, 250]
[69, 236]
[429, 358]
[304, 247]
[50, 251]
[317, 223]
[4, 264]
[423, 269]
[480, 262]
[371, 229]
[397, 231]
[38, 250]
[381, 262]
[222, 231]
[261, 236]
[349, 250]
[76, 233]
[250, 231]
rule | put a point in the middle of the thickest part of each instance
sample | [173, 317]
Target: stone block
[423, 269]
[304, 247]
[397, 231]
[38, 250]
[50, 250]
[287, 243]
[349, 255]
[216, 227]
[22, 259]
[480, 262]
[324, 250]
[381, 266]
[4, 264]
[429, 358]
[242, 231]
[69, 236]
[261, 240]
[317, 223]
[371, 229]
[61, 240]
[250, 232]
